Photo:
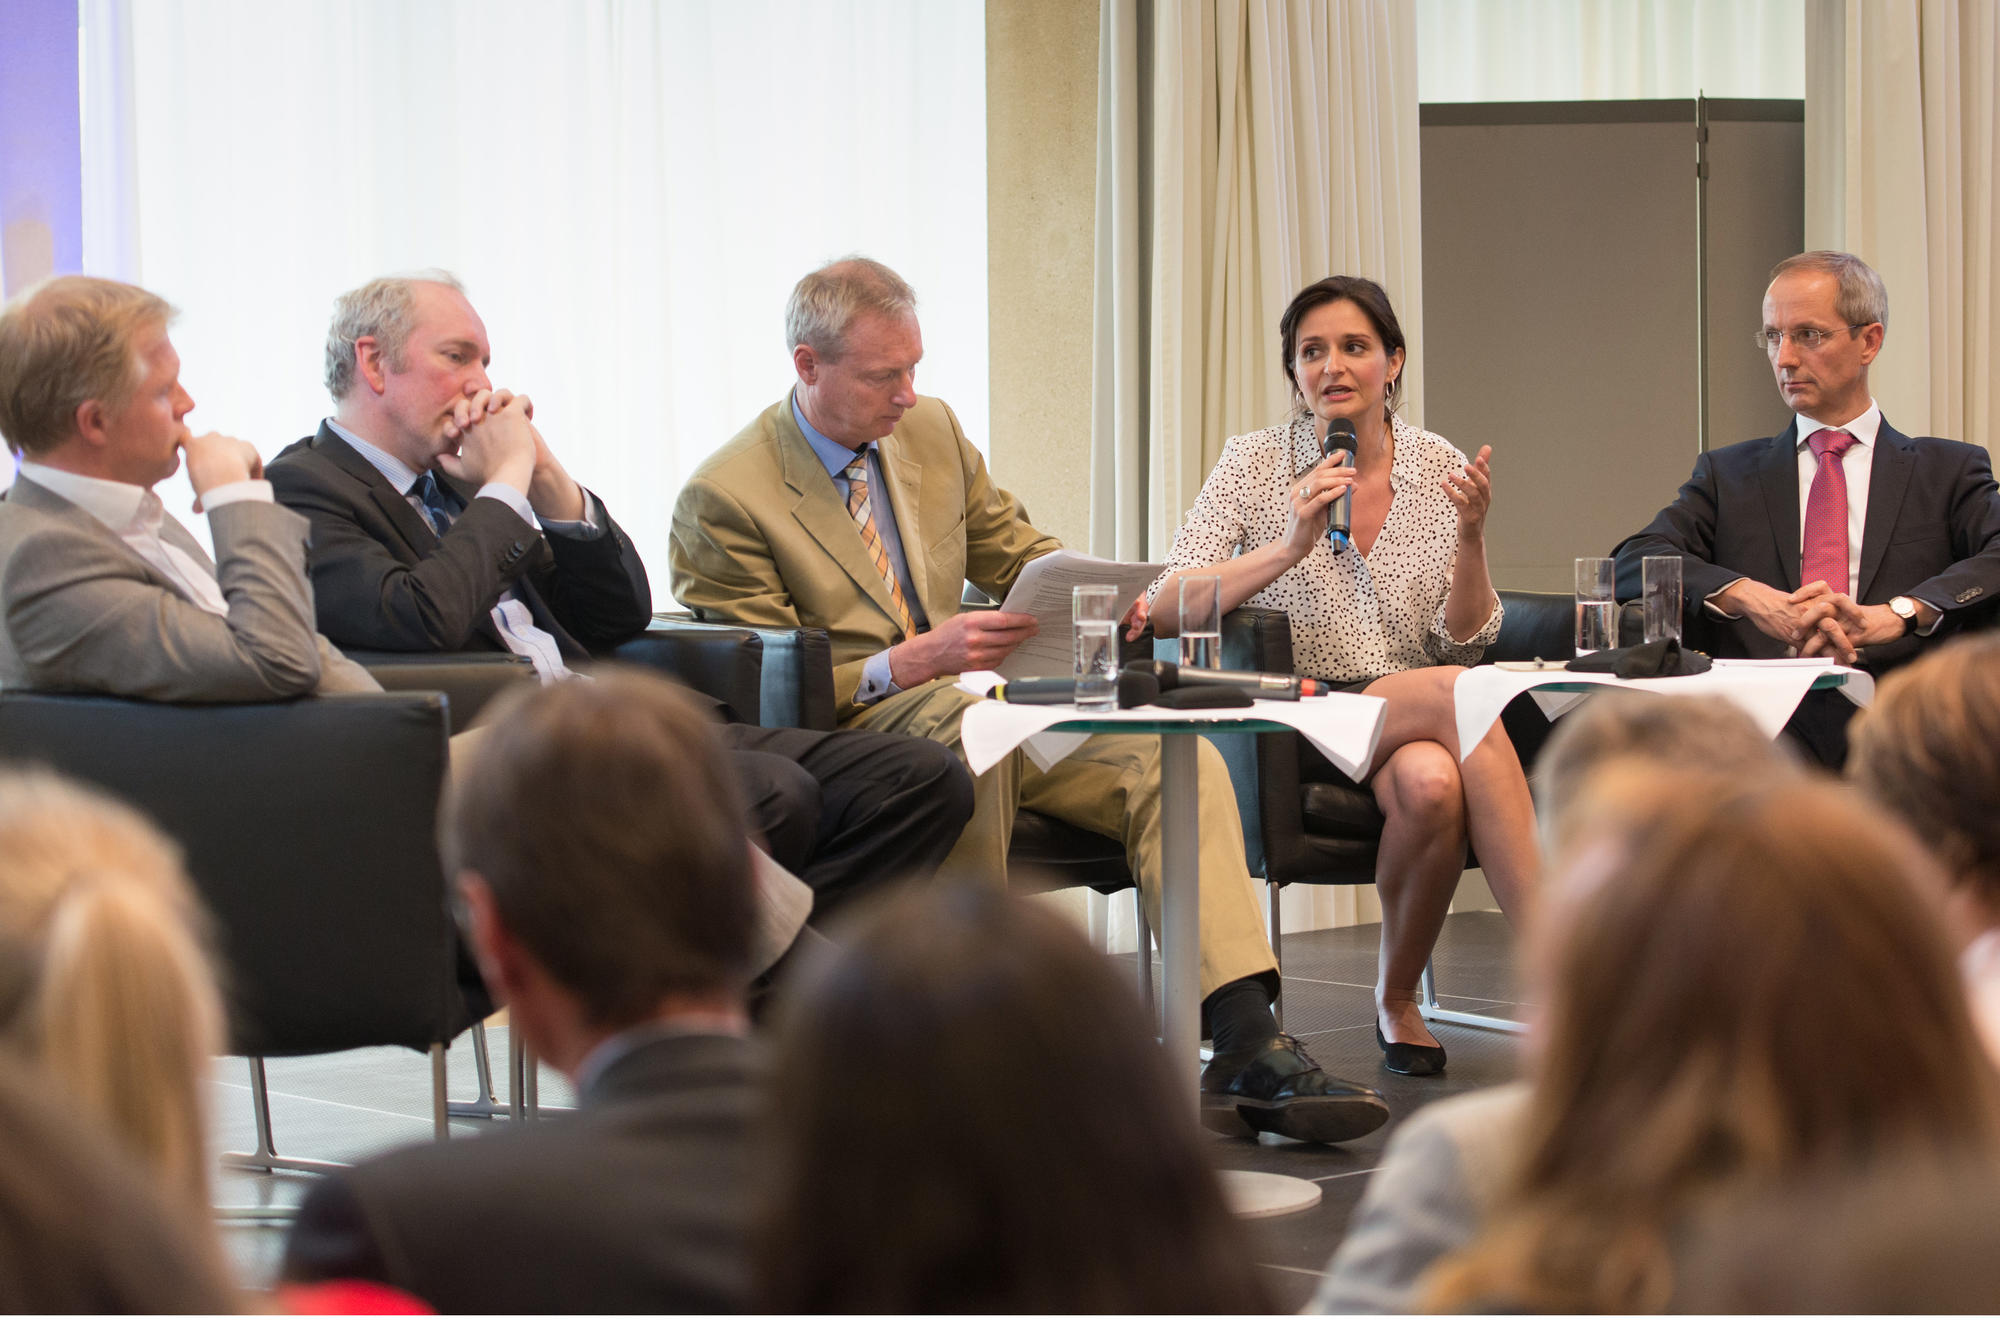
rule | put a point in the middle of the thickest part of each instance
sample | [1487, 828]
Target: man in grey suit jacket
[620, 942]
[102, 591]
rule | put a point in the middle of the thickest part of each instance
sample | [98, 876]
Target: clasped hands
[491, 436]
[1815, 621]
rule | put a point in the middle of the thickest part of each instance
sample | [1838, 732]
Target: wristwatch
[1907, 609]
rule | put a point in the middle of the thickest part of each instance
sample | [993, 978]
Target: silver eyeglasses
[1806, 339]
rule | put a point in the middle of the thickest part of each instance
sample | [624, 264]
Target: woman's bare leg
[1495, 812]
[1500, 815]
[1416, 869]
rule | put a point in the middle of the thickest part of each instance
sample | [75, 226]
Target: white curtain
[1902, 127]
[1586, 50]
[627, 188]
[1246, 148]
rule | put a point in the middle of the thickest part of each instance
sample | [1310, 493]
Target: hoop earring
[1389, 399]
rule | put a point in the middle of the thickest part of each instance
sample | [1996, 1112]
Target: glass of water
[1596, 605]
[1660, 584]
[1201, 621]
[1094, 611]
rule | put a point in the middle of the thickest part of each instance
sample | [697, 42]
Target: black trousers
[847, 811]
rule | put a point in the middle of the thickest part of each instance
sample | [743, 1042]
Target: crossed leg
[1431, 803]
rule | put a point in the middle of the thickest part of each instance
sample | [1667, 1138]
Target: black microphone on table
[1149, 681]
[1339, 525]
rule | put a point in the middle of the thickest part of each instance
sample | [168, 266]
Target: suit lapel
[1778, 471]
[395, 507]
[819, 510]
[39, 498]
[905, 479]
[1888, 478]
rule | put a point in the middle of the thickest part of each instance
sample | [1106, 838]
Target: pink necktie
[1823, 554]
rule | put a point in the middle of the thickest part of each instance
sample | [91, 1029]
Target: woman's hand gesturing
[1471, 493]
[1310, 496]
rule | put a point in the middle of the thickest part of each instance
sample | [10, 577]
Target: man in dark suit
[620, 941]
[1839, 536]
[442, 521]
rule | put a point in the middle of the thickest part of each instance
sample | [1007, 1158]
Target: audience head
[82, 1230]
[86, 365]
[975, 1118]
[1368, 296]
[104, 980]
[855, 345]
[1929, 750]
[1701, 735]
[599, 847]
[1743, 979]
[1912, 1234]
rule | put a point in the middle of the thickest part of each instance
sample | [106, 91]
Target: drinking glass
[1094, 612]
[1660, 584]
[1596, 605]
[1201, 621]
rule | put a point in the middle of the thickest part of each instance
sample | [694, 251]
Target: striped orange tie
[864, 517]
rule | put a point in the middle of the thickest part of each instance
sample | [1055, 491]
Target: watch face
[1903, 607]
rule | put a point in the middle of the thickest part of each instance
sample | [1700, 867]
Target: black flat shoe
[1275, 1086]
[1407, 1057]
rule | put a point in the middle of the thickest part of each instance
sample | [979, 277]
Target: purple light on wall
[41, 153]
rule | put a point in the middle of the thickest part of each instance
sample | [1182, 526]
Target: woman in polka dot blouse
[1397, 614]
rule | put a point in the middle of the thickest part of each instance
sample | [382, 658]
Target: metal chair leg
[517, 1073]
[440, 1106]
[1272, 891]
[1428, 1006]
[483, 1107]
[1142, 937]
[266, 1157]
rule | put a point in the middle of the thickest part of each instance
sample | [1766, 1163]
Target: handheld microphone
[1173, 676]
[1134, 689]
[1339, 526]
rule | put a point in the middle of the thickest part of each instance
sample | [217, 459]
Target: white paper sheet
[1769, 690]
[1043, 591]
[1343, 727]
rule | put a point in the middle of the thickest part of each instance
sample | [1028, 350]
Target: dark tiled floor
[348, 1106]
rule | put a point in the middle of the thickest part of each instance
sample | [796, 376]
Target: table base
[1267, 1194]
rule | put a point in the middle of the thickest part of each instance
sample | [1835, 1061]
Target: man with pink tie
[1839, 536]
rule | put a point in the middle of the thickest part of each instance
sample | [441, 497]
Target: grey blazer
[1438, 1178]
[82, 612]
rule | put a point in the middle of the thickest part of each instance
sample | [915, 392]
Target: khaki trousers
[1108, 785]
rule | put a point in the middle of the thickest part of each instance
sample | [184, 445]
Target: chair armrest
[1534, 624]
[766, 676]
[310, 831]
[468, 681]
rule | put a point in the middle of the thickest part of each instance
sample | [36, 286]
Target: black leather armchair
[769, 677]
[1326, 832]
[468, 681]
[310, 831]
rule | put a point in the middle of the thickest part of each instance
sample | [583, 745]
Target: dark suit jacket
[383, 580]
[1932, 532]
[639, 1203]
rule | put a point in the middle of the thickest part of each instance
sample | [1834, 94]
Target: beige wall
[1041, 195]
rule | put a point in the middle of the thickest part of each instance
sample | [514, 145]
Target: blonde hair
[63, 342]
[1929, 750]
[1745, 980]
[104, 978]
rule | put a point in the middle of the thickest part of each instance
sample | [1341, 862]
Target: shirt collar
[1863, 428]
[621, 1044]
[835, 457]
[118, 505]
[394, 470]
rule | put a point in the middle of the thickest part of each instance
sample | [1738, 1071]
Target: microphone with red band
[1339, 521]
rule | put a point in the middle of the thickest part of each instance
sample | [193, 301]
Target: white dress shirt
[136, 515]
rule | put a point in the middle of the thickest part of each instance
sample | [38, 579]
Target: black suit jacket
[383, 580]
[1932, 532]
[639, 1203]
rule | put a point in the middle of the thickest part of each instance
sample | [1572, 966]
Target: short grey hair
[380, 310]
[827, 301]
[1863, 298]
